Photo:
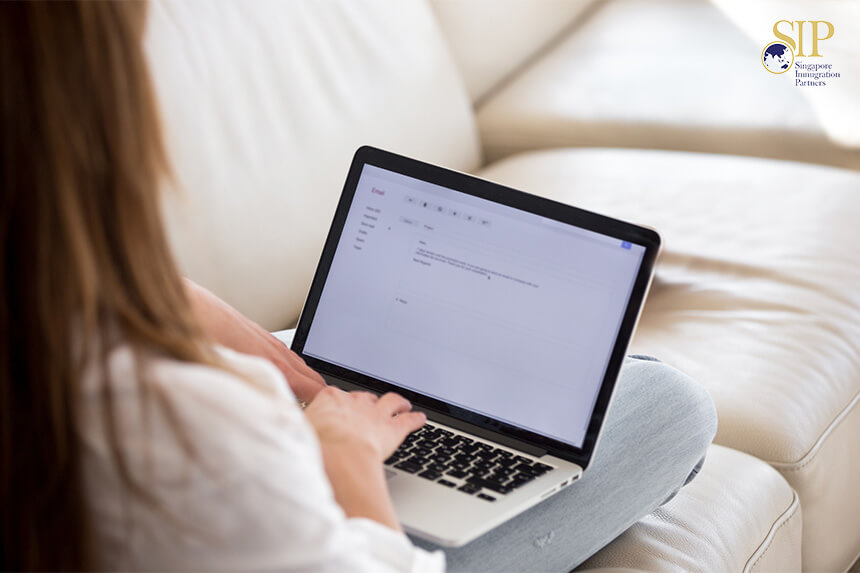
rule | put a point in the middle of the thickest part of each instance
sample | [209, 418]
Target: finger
[332, 392]
[364, 396]
[408, 422]
[392, 404]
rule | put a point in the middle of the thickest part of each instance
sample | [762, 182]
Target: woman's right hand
[361, 420]
[357, 431]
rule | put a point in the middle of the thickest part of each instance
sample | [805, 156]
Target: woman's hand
[361, 421]
[228, 327]
[357, 431]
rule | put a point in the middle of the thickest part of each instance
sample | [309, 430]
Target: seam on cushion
[809, 456]
[554, 42]
[784, 518]
[853, 561]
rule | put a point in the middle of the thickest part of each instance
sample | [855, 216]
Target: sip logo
[793, 38]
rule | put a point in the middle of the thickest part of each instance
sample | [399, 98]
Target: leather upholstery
[491, 39]
[737, 515]
[264, 104]
[657, 74]
[755, 296]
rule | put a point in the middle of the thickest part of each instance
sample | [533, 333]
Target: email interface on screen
[478, 304]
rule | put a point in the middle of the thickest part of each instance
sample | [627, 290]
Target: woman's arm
[228, 327]
[356, 432]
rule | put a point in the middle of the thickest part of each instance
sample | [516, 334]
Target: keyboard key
[503, 489]
[430, 474]
[459, 474]
[486, 497]
[469, 488]
[542, 467]
[446, 483]
[492, 485]
[523, 460]
[408, 467]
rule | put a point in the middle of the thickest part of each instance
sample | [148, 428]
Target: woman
[132, 440]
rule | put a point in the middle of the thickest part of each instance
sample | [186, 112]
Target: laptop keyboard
[469, 465]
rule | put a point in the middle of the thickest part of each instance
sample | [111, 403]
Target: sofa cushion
[755, 296]
[737, 515]
[657, 74]
[491, 39]
[264, 104]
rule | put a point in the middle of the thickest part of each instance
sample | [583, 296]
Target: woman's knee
[677, 395]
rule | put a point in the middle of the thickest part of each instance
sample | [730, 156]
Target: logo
[792, 39]
[777, 58]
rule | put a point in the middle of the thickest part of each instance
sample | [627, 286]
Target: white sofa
[755, 296]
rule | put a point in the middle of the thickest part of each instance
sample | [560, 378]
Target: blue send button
[625, 245]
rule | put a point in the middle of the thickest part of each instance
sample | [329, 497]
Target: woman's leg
[657, 430]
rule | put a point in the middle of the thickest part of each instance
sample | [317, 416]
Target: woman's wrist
[358, 480]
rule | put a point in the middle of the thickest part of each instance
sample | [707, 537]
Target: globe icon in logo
[777, 58]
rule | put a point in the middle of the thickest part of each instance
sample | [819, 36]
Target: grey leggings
[658, 428]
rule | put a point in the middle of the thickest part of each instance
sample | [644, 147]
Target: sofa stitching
[792, 507]
[810, 455]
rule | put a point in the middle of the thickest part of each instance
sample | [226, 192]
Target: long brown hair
[82, 249]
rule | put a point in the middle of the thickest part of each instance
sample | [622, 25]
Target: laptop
[503, 316]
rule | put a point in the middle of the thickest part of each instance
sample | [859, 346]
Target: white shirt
[256, 496]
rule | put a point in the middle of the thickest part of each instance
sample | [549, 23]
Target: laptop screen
[483, 306]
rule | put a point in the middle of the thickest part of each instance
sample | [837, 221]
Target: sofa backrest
[263, 105]
[492, 39]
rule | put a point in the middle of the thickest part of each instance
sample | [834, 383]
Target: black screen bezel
[494, 192]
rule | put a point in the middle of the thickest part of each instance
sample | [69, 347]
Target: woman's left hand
[230, 328]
